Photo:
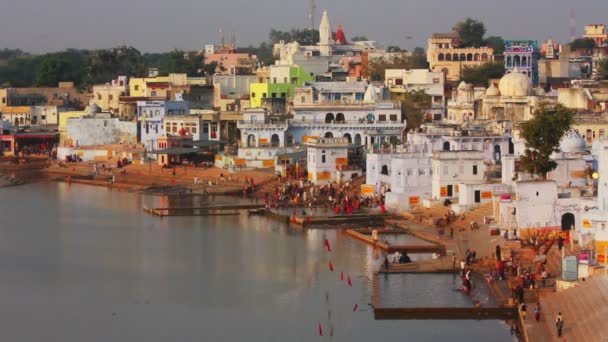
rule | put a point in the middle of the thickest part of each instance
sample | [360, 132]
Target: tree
[582, 43]
[603, 69]
[393, 48]
[542, 136]
[480, 75]
[303, 37]
[496, 43]
[376, 67]
[359, 39]
[413, 106]
[52, 71]
[471, 32]
[105, 65]
[180, 62]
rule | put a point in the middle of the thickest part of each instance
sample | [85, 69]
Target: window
[474, 169]
[43, 117]
[253, 95]
[4, 100]
[382, 117]
[136, 88]
[323, 159]
[285, 80]
[205, 129]
[399, 81]
[283, 95]
[274, 80]
[193, 130]
[303, 99]
[264, 95]
[409, 172]
[110, 97]
[147, 128]
[274, 95]
[153, 93]
[99, 97]
[435, 80]
[393, 117]
[602, 133]
[105, 123]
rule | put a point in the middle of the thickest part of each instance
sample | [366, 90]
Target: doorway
[477, 196]
[450, 190]
[568, 220]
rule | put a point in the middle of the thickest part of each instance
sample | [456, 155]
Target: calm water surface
[81, 263]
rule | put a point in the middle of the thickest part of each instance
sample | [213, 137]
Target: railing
[522, 325]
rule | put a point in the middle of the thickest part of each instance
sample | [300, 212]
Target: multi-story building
[229, 60]
[445, 55]
[597, 32]
[107, 96]
[400, 82]
[522, 56]
[150, 117]
[275, 85]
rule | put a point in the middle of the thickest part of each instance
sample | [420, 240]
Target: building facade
[444, 55]
[522, 56]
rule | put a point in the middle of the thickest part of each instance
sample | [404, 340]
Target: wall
[93, 131]
[456, 167]
[63, 124]
[45, 115]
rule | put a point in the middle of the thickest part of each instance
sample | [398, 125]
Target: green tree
[582, 43]
[376, 67]
[303, 37]
[105, 65]
[180, 62]
[603, 69]
[496, 43]
[359, 39]
[52, 71]
[471, 32]
[393, 48]
[413, 108]
[542, 136]
[480, 75]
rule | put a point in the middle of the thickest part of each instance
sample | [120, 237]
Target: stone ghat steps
[584, 309]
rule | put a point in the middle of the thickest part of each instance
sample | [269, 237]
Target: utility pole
[311, 14]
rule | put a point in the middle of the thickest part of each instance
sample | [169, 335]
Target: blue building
[522, 55]
[150, 119]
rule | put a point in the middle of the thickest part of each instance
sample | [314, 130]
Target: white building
[408, 176]
[100, 129]
[451, 168]
[326, 158]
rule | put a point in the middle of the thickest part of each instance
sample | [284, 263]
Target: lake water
[81, 263]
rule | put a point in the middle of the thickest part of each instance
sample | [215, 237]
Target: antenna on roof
[572, 24]
[233, 39]
[311, 14]
[221, 31]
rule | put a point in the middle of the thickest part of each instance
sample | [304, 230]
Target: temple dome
[492, 91]
[515, 84]
[572, 142]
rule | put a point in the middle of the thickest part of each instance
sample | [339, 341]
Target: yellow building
[445, 55]
[63, 125]
[17, 115]
[592, 127]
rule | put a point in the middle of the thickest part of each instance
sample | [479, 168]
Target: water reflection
[81, 263]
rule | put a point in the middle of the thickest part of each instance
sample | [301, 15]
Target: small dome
[492, 91]
[538, 91]
[463, 86]
[515, 84]
[572, 142]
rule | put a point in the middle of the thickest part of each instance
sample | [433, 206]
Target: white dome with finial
[515, 84]
[492, 91]
[572, 142]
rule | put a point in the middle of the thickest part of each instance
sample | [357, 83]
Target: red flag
[349, 282]
[320, 329]
[327, 245]
[341, 276]
[331, 267]
[355, 308]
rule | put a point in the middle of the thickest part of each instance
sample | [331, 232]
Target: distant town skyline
[39, 27]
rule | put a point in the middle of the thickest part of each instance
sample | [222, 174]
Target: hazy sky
[157, 25]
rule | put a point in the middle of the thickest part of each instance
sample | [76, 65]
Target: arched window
[357, 139]
[448, 56]
[463, 57]
[441, 57]
[340, 118]
[348, 137]
[516, 61]
[251, 140]
[329, 117]
[329, 135]
[470, 57]
[446, 146]
[484, 57]
[509, 62]
[275, 141]
[455, 57]
[384, 170]
[524, 61]
[476, 57]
